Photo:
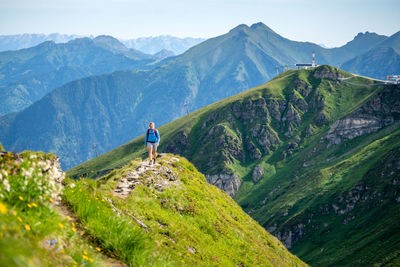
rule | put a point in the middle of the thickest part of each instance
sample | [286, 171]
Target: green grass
[192, 214]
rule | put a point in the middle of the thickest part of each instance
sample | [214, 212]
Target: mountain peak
[240, 27]
[261, 26]
[109, 42]
[365, 35]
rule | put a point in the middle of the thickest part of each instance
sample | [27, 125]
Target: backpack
[147, 135]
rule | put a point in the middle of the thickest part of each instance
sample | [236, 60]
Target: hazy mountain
[27, 75]
[378, 62]
[361, 43]
[26, 40]
[314, 160]
[152, 45]
[164, 54]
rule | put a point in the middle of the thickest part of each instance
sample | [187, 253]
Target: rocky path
[158, 175]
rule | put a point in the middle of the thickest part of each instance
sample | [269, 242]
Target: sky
[329, 22]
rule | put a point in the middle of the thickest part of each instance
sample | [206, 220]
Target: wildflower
[14, 213]
[51, 200]
[19, 219]
[102, 200]
[61, 225]
[90, 259]
[3, 227]
[29, 205]
[6, 185]
[84, 252]
[74, 229]
[34, 204]
[80, 189]
[85, 257]
[3, 208]
[73, 224]
[75, 263]
[21, 198]
[98, 249]
[27, 227]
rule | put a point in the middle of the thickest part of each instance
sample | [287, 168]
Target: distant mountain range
[26, 40]
[315, 160]
[108, 110]
[27, 75]
[148, 45]
[152, 45]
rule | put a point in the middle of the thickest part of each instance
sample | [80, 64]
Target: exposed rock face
[350, 128]
[325, 73]
[258, 173]
[179, 144]
[230, 183]
[265, 137]
[254, 152]
[380, 111]
[289, 238]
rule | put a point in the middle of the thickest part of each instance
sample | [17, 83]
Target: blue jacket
[152, 136]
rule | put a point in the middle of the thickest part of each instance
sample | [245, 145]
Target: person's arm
[158, 137]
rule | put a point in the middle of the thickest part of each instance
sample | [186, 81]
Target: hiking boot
[150, 162]
[155, 159]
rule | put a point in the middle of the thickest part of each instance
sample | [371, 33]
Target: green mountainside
[313, 157]
[108, 110]
[27, 75]
[160, 215]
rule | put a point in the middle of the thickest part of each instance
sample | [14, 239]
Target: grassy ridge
[192, 223]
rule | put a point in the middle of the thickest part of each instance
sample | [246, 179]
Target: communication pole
[186, 107]
[95, 150]
[313, 58]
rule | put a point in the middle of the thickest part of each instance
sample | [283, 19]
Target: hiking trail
[159, 175]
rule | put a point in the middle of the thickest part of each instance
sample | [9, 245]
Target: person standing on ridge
[152, 141]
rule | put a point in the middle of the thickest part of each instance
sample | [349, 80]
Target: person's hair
[151, 124]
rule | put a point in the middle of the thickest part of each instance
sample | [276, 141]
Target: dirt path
[66, 212]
